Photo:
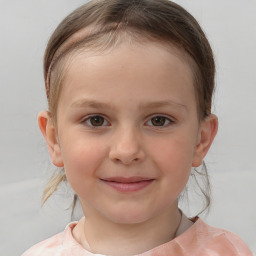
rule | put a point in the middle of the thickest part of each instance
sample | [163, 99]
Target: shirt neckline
[69, 242]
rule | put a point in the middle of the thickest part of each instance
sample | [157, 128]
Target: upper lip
[127, 179]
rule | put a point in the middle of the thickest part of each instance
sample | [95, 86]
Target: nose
[127, 147]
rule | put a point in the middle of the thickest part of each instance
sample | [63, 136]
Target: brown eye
[159, 121]
[96, 121]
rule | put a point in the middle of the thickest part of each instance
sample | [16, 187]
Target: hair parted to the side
[103, 24]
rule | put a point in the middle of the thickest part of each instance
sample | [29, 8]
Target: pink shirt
[198, 240]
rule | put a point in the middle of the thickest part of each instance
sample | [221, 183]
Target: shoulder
[216, 240]
[54, 246]
[46, 247]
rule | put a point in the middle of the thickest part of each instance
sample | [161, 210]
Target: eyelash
[166, 119]
[88, 121]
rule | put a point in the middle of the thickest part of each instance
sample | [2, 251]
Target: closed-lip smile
[128, 184]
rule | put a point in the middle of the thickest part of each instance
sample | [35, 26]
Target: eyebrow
[85, 103]
[166, 103]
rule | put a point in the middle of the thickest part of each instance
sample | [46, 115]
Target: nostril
[126, 161]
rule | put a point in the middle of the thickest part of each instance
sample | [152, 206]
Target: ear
[206, 134]
[49, 132]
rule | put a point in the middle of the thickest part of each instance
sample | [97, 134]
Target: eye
[159, 121]
[96, 121]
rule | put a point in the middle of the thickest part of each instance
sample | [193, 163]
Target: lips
[127, 184]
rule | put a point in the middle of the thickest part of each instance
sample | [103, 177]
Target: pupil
[158, 121]
[97, 120]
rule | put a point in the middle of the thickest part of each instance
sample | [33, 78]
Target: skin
[128, 87]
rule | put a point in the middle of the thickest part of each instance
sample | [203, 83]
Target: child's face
[127, 130]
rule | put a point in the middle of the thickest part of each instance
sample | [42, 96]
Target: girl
[129, 86]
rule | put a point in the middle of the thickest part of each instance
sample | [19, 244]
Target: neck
[99, 235]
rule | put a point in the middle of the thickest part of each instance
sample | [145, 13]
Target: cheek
[175, 152]
[81, 160]
[174, 158]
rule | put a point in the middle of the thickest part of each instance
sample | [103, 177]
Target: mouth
[130, 184]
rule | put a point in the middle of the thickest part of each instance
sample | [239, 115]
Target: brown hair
[101, 24]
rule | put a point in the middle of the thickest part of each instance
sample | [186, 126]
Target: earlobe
[49, 132]
[208, 130]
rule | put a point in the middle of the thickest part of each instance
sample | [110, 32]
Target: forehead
[149, 55]
[87, 40]
[157, 51]
[141, 70]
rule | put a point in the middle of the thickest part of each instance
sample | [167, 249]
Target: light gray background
[24, 163]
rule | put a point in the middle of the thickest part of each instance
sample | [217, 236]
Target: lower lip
[128, 187]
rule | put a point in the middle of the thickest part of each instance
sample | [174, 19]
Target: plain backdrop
[24, 163]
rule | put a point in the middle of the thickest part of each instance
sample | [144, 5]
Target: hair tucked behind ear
[52, 185]
[205, 187]
[198, 190]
